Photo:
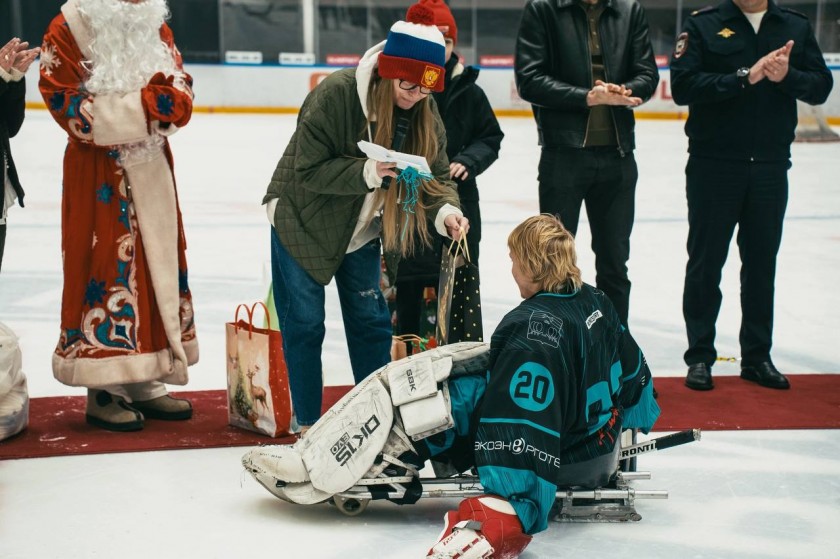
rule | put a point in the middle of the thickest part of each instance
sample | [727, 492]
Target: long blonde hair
[546, 253]
[400, 229]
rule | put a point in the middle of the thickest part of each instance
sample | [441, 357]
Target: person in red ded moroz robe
[113, 79]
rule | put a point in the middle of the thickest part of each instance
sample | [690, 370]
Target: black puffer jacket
[554, 66]
[12, 108]
[473, 139]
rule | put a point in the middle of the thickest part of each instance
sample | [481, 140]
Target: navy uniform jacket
[564, 378]
[753, 122]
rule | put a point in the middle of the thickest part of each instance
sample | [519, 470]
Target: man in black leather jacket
[582, 64]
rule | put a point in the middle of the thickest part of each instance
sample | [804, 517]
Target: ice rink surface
[750, 494]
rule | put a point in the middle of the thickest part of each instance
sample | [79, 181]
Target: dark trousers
[722, 194]
[606, 182]
[2, 242]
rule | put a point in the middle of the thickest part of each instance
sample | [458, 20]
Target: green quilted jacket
[319, 180]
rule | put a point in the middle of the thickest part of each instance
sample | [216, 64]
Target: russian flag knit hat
[415, 50]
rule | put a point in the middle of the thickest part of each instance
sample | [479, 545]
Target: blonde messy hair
[401, 230]
[546, 253]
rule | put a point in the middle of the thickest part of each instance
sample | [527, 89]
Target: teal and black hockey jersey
[565, 378]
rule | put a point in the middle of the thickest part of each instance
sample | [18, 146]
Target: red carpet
[57, 425]
[813, 402]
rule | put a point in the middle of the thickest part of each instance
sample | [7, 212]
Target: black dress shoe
[765, 374]
[699, 377]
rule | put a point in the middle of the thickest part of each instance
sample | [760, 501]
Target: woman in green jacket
[331, 211]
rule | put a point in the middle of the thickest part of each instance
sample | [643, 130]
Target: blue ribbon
[411, 177]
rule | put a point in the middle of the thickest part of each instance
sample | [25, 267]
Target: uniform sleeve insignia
[681, 46]
[725, 33]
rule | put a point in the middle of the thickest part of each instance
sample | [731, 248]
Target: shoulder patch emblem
[682, 45]
[725, 33]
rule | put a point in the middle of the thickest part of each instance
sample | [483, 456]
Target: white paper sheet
[403, 160]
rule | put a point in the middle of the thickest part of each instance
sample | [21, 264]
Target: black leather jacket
[554, 66]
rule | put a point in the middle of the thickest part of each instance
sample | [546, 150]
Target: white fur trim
[13, 75]
[98, 372]
[424, 32]
[78, 27]
[118, 119]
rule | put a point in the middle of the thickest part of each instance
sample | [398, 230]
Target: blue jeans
[300, 310]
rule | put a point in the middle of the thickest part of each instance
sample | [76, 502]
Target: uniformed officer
[740, 67]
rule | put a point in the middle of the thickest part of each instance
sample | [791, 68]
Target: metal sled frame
[602, 504]
[573, 505]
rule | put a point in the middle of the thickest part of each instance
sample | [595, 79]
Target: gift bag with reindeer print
[258, 384]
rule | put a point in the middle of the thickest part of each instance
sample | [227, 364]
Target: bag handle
[413, 339]
[462, 247]
[250, 311]
[265, 310]
[236, 319]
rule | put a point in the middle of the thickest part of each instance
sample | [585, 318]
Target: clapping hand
[777, 63]
[774, 65]
[17, 54]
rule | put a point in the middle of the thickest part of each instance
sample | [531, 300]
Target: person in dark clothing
[740, 67]
[15, 59]
[582, 64]
[473, 140]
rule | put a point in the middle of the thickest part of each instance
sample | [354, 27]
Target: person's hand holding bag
[166, 103]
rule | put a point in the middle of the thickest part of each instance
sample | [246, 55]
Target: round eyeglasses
[409, 86]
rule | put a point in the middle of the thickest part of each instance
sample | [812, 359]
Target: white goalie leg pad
[345, 442]
[280, 469]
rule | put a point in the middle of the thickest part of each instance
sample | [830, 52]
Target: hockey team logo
[518, 446]
[545, 328]
[344, 449]
[590, 320]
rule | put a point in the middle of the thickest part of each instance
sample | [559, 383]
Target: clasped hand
[611, 94]
[166, 103]
[17, 54]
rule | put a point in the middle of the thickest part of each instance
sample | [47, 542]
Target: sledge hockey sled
[363, 448]
[613, 501]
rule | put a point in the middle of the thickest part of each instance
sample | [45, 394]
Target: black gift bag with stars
[459, 297]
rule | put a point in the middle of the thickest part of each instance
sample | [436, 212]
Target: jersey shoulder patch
[706, 10]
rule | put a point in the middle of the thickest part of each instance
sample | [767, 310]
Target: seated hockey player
[565, 377]
[542, 409]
